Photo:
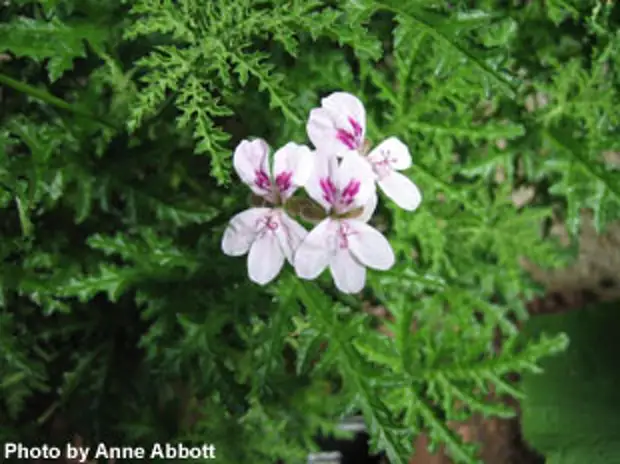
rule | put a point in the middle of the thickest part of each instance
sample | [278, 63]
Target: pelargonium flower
[343, 241]
[267, 233]
[339, 126]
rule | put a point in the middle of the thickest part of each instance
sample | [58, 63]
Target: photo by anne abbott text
[84, 454]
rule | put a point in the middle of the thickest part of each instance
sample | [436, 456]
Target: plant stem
[52, 100]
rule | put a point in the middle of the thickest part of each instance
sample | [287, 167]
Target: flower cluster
[340, 176]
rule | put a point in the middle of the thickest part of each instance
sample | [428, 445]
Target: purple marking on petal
[347, 138]
[344, 232]
[262, 180]
[353, 140]
[283, 181]
[329, 190]
[350, 191]
[357, 128]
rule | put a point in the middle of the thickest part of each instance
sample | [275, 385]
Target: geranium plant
[399, 134]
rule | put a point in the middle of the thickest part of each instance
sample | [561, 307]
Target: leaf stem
[52, 100]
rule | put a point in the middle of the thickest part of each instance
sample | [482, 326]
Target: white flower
[292, 165]
[339, 126]
[343, 242]
[268, 234]
[386, 159]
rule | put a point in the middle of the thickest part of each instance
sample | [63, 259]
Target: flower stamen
[383, 167]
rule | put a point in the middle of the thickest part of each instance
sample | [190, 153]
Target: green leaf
[61, 43]
[571, 411]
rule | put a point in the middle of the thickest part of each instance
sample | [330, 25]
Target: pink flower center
[339, 200]
[262, 180]
[351, 138]
[267, 223]
[383, 167]
[283, 181]
[273, 191]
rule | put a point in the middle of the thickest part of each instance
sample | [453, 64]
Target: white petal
[401, 190]
[349, 275]
[312, 256]
[322, 132]
[340, 114]
[241, 231]
[295, 161]
[355, 168]
[265, 259]
[324, 167]
[341, 106]
[250, 158]
[290, 234]
[370, 247]
[369, 208]
[393, 152]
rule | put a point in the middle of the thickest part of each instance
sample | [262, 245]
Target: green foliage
[210, 53]
[121, 318]
[570, 413]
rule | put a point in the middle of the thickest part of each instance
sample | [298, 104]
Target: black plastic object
[354, 451]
